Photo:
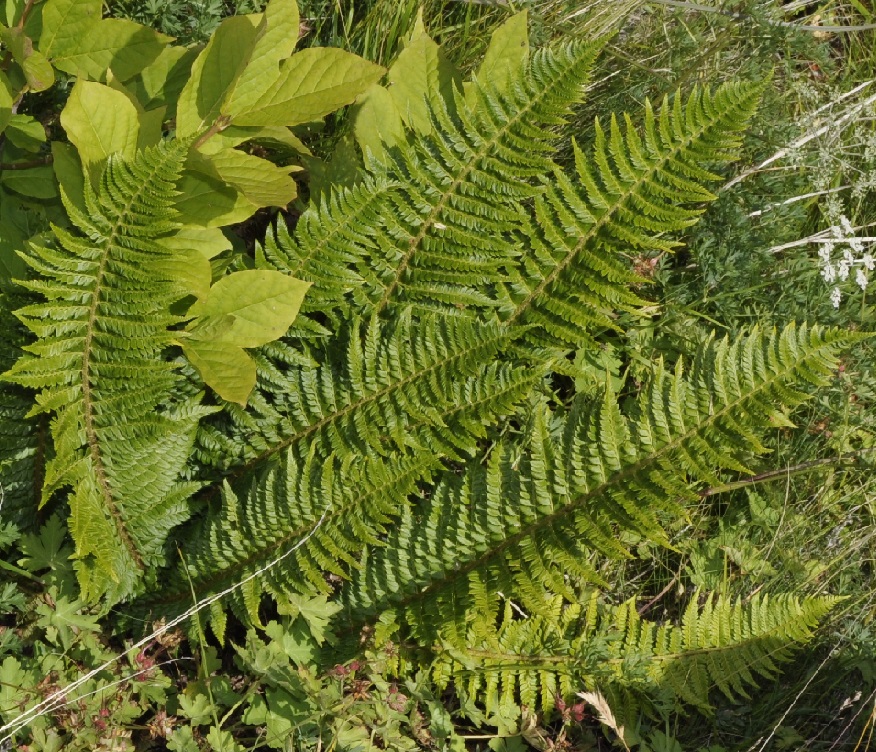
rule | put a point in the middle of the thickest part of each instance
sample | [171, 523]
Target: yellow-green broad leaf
[100, 121]
[34, 182]
[506, 56]
[377, 124]
[260, 181]
[206, 201]
[36, 69]
[161, 82]
[276, 37]
[244, 309]
[78, 41]
[419, 75]
[262, 303]
[208, 241]
[214, 74]
[5, 101]
[312, 83]
[26, 132]
[68, 172]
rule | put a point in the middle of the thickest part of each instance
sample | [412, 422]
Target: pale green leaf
[276, 38]
[420, 74]
[312, 83]
[37, 70]
[161, 81]
[224, 367]
[377, 123]
[190, 269]
[507, 54]
[151, 127]
[5, 101]
[214, 75]
[263, 305]
[260, 181]
[316, 611]
[66, 22]
[26, 132]
[205, 201]
[235, 135]
[208, 241]
[100, 121]
[116, 43]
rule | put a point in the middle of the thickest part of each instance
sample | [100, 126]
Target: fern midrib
[603, 220]
[91, 438]
[567, 509]
[482, 153]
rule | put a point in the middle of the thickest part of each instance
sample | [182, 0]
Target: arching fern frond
[530, 518]
[622, 201]
[394, 401]
[98, 364]
[439, 237]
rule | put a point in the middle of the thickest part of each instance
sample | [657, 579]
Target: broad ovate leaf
[312, 83]
[262, 303]
[276, 37]
[260, 181]
[100, 121]
[225, 368]
[507, 54]
[214, 75]
[78, 41]
[420, 74]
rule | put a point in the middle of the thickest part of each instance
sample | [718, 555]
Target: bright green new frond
[622, 201]
[533, 515]
[720, 644]
[99, 365]
[395, 401]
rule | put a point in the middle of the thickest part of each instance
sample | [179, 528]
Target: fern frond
[720, 644]
[438, 235]
[98, 364]
[397, 399]
[623, 200]
[531, 518]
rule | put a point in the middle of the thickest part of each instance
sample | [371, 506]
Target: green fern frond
[531, 518]
[623, 200]
[438, 234]
[720, 644]
[395, 393]
[98, 364]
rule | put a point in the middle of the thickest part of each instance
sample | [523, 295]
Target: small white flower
[824, 252]
[861, 279]
[835, 297]
[842, 270]
[829, 273]
[846, 225]
[857, 245]
[867, 261]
